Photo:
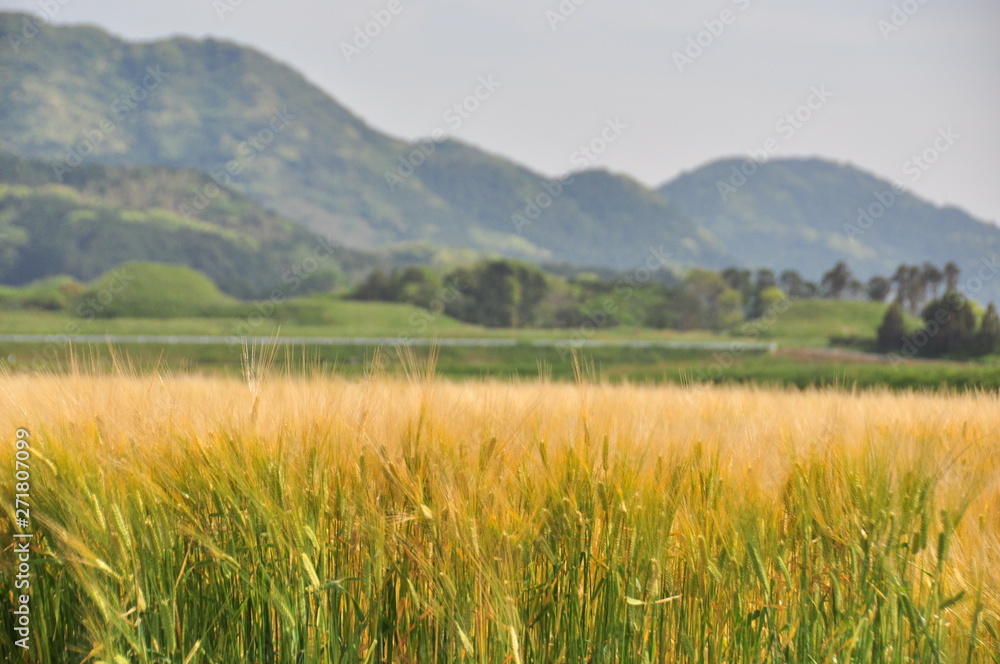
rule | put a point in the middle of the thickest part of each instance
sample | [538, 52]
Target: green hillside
[595, 218]
[102, 216]
[803, 214]
[75, 96]
[71, 95]
[152, 290]
[310, 316]
[814, 322]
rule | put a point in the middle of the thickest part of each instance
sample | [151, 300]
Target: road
[159, 340]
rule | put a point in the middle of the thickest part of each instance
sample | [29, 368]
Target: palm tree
[792, 283]
[933, 277]
[901, 278]
[837, 279]
[917, 289]
[951, 273]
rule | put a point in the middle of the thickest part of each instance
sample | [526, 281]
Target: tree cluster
[913, 285]
[952, 325]
[506, 293]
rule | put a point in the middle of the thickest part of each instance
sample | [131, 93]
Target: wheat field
[183, 518]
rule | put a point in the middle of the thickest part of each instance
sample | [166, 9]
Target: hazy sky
[893, 90]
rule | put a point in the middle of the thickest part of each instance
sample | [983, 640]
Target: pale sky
[890, 93]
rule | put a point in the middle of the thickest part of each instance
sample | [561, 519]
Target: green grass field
[311, 317]
[803, 326]
[806, 323]
[811, 323]
[648, 365]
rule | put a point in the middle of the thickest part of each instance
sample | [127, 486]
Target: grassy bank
[786, 368]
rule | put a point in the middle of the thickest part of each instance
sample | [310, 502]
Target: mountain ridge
[821, 212]
[327, 169]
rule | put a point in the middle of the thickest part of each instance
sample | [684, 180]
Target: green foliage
[415, 285]
[988, 337]
[949, 327]
[104, 216]
[761, 293]
[494, 293]
[878, 288]
[892, 330]
[508, 294]
[705, 301]
[152, 290]
[768, 299]
[511, 294]
[50, 294]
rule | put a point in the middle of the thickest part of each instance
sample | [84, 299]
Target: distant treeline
[512, 294]
[930, 316]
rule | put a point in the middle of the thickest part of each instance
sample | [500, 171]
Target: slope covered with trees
[103, 216]
[807, 214]
[78, 95]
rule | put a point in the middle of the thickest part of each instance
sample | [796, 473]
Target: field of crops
[301, 519]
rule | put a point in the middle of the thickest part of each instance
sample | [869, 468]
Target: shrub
[152, 290]
[892, 330]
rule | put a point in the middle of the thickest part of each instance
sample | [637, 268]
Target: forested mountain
[807, 214]
[101, 216]
[77, 94]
